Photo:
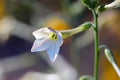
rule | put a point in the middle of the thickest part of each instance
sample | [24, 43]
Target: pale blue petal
[40, 44]
[43, 32]
[53, 51]
[59, 42]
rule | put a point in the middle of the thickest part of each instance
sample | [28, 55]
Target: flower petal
[41, 44]
[53, 51]
[59, 42]
[43, 32]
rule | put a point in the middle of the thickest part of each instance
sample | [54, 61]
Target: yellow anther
[53, 36]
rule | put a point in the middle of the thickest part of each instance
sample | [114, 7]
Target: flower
[49, 40]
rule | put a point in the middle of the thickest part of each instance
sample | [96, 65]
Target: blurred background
[19, 18]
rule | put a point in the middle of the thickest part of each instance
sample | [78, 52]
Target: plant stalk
[96, 39]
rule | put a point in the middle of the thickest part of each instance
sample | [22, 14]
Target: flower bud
[86, 77]
[109, 55]
[114, 4]
[91, 4]
[111, 59]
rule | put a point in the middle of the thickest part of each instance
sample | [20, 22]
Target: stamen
[53, 36]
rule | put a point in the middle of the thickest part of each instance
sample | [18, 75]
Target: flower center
[53, 36]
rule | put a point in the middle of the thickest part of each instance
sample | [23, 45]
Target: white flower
[49, 40]
[114, 4]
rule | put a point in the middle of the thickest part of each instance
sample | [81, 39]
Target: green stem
[96, 63]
